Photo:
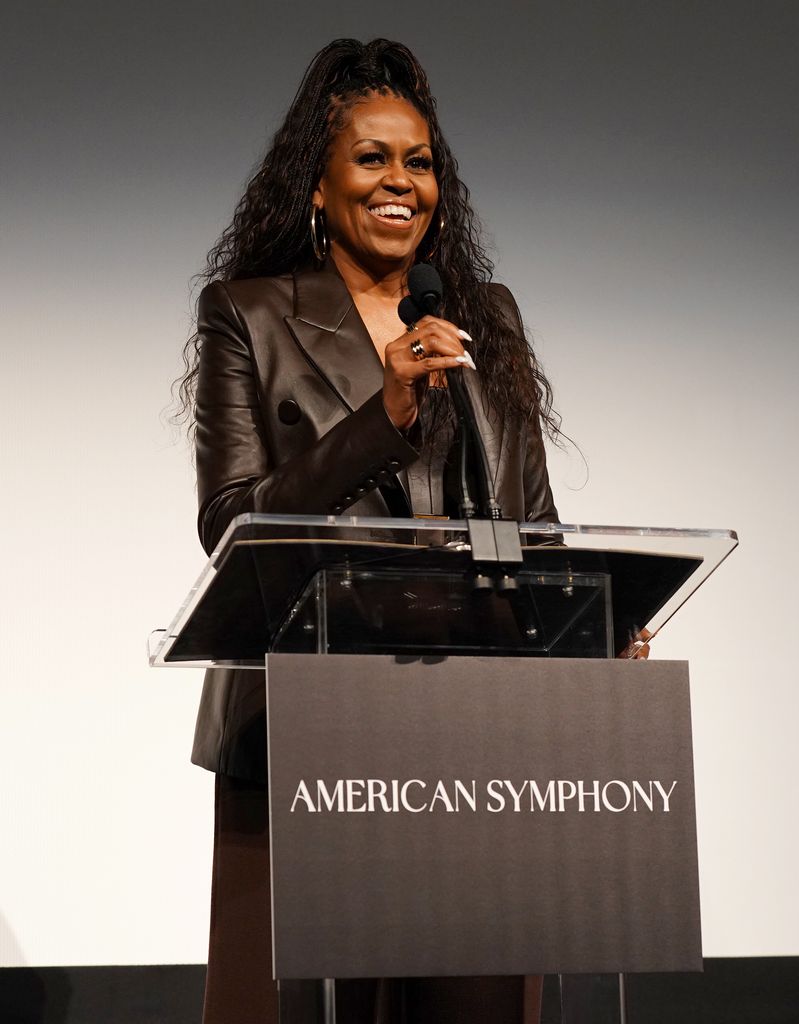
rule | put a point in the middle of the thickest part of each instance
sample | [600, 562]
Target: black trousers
[239, 988]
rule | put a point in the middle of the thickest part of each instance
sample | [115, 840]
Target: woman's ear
[317, 198]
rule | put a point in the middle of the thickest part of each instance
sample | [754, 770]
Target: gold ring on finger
[417, 348]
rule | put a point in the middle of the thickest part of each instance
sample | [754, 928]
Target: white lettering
[469, 795]
[535, 794]
[354, 792]
[329, 799]
[441, 794]
[624, 788]
[582, 793]
[376, 790]
[492, 789]
[357, 796]
[666, 795]
[404, 795]
[563, 796]
[639, 791]
[517, 796]
[303, 794]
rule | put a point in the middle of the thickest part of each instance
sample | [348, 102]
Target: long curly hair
[269, 233]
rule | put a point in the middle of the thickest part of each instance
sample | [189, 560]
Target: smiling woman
[379, 190]
[307, 394]
[378, 195]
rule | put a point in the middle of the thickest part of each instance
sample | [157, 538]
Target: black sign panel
[480, 816]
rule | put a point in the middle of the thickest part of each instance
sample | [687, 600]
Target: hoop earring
[434, 248]
[319, 240]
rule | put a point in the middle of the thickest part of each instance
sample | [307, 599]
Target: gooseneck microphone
[426, 293]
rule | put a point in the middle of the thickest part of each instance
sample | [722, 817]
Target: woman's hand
[441, 349]
[639, 647]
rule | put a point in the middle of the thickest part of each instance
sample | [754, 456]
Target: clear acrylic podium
[408, 587]
[404, 586]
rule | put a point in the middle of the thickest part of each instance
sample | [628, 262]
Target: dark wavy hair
[270, 234]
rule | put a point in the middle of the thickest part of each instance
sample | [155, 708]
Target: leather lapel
[491, 426]
[328, 329]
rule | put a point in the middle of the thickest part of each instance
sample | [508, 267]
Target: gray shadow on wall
[11, 954]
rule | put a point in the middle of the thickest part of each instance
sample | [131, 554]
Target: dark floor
[757, 990]
[730, 991]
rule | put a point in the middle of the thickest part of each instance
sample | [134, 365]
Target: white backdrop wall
[636, 166]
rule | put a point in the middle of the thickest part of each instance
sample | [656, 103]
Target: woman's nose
[396, 179]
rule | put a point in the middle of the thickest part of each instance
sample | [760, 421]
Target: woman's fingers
[413, 350]
[641, 642]
[422, 356]
[432, 346]
[432, 363]
[638, 646]
[435, 336]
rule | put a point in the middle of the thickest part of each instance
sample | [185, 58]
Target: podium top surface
[264, 563]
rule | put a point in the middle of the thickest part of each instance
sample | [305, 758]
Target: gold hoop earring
[319, 240]
[434, 248]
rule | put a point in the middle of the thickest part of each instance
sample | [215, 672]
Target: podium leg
[307, 1002]
[592, 999]
[329, 1000]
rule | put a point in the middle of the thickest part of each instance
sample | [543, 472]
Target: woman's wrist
[400, 422]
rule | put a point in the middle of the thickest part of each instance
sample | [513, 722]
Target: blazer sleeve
[236, 467]
[539, 505]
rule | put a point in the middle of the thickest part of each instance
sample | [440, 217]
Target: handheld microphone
[426, 293]
[408, 311]
[426, 288]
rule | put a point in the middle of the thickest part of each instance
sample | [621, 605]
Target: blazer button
[384, 476]
[370, 483]
[336, 510]
[289, 412]
[394, 463]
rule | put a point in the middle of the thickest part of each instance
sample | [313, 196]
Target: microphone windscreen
[425, 287]
[408, 311]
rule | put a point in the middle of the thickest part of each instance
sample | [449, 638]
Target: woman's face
[379, 191]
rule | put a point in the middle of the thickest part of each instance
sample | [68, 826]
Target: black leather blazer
[290, 419]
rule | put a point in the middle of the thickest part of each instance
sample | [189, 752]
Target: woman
[310, 396]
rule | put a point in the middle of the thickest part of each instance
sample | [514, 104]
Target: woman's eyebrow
[372, 142]
[385, 146]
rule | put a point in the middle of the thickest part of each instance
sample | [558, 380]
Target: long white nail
[467, 360]
[464, 336]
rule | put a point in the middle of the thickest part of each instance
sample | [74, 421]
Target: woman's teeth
[391, 211]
